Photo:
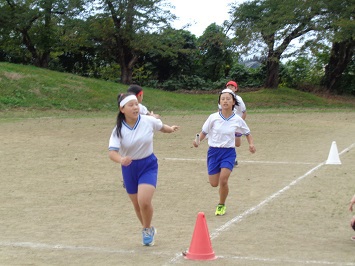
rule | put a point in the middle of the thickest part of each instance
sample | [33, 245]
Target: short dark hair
[134, 89]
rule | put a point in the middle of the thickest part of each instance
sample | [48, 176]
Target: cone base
[191, 256]
[330, 162]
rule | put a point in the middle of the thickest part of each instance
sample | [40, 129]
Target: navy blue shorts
[142, 171]
[218, 158]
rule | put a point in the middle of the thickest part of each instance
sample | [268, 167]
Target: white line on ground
[213, 235]
[240, 217]
[72, 248]
[107, 250]
[258, 162]
[303, 262]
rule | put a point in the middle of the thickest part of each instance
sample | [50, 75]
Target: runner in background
[239, 109]
[138, 91]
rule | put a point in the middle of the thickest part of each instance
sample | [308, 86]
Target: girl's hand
[155, 115]
[125, 161]
[175, 128]
[252, 148]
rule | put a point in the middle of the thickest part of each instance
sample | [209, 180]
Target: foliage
[79, 54]
[30, 29]
[185, 82]
[301, 72]
[170, 54]
[346, 83]
[246, 76]
[132, 41]
[271, 25]
[340, 17]
[132, 22]
[215, 53]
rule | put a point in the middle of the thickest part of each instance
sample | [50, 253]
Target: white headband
[228, 90]
[127, 99]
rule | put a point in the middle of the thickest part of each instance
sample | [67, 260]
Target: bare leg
[145, 196]
[142, 202]
[221, 179]
[238, 142]
[223, 185]
[134, 200]
[214, 179]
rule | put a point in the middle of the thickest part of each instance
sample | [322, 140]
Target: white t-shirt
[221, 131]
[241, 108]
[142, 109]
[137, 142]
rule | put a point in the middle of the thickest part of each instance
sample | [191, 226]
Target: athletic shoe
[353, 238]
[236, 163]
[148, 236]
[221, 209]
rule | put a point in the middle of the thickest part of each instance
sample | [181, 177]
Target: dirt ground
[62, 201]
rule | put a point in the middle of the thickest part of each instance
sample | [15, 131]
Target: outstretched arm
[169, 129]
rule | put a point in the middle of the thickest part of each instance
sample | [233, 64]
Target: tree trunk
[44, 60]
[47, 43]
[272, 72]
[40, 56]
[340, 56]
[273, 61]
[125, 55]
[126, 74]
[126, 60]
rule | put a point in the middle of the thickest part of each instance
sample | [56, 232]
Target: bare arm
[250, 140]
[169, 129]
[352, 202]
[244, 115]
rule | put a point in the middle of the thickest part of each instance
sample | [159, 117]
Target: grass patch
[32, 90]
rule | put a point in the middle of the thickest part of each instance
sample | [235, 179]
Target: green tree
[132, 22]
[30, 28]
[169, 54]
[267, 27]
[341, 18]
[301, 72]
[216, 54]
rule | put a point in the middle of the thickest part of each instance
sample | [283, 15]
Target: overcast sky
[200, 13]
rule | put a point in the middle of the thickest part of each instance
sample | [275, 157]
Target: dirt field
[62, 201]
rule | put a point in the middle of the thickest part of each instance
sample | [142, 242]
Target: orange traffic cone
[200, 247]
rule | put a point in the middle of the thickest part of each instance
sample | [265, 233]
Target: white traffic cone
[333, 157]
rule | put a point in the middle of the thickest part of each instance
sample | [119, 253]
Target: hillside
[30, 88]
